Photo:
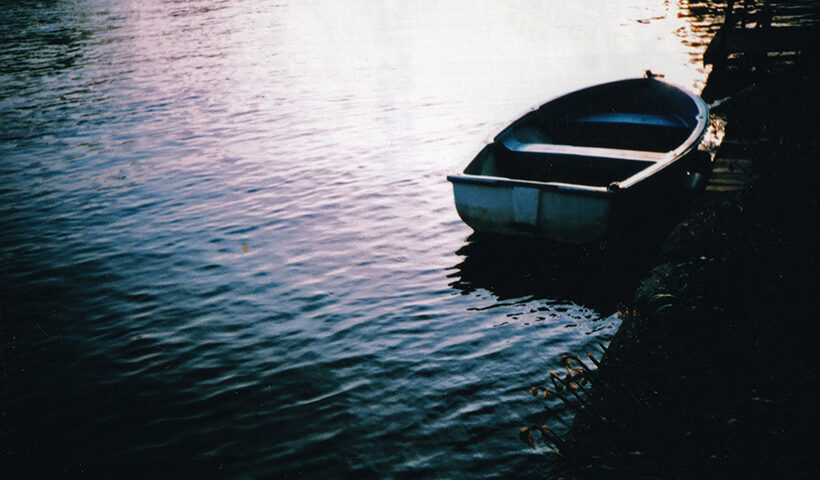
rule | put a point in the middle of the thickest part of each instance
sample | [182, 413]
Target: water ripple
[229, 249]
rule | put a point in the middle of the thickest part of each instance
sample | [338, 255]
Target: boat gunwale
[686, 147]
[466, 178]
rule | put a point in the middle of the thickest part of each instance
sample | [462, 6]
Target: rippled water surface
[228, 247]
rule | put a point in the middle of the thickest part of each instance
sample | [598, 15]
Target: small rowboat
[575, 167]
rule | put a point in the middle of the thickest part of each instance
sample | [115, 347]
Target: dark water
[227, 246]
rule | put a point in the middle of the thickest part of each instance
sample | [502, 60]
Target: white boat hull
[566, 216]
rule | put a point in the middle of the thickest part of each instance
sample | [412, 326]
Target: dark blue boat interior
[618, 130]
[641, 114]
[497, 161]
[594, 136]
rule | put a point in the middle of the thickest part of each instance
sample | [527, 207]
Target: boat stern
[563, 213]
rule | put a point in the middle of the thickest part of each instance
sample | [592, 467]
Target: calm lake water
[228, 247]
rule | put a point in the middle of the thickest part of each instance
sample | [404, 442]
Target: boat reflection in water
[596, 276]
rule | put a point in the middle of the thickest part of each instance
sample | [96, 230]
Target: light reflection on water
[228, 245]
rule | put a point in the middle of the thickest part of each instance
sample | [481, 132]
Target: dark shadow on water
[597, 276]
[511, 267]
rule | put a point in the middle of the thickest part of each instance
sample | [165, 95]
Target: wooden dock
[758, 43]
[729, 173]
[758, 33]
